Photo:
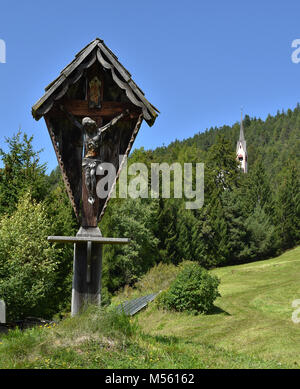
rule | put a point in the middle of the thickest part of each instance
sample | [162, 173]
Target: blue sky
[198, 62]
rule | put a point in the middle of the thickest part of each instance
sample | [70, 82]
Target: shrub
[28, 262]
[193, 290]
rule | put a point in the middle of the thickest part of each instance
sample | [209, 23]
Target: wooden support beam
[87, 269]
[108, 109]
[84, 239]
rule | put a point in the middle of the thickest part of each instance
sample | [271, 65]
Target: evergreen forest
[245, 217]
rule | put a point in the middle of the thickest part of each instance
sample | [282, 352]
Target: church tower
[241, 149]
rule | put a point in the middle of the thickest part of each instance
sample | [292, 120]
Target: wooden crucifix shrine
[93, 112]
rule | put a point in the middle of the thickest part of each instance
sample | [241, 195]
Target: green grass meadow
[252, 316]
[251, 327]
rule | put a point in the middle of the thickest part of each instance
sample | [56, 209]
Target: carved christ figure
[92, 140]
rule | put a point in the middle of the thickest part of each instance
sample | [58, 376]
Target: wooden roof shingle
[94, 51]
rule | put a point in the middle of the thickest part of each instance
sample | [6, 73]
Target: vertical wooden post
[89, 212]
[87, 271]
[87, 267]
[2, 312]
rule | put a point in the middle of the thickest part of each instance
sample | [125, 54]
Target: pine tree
[288, 207]
[258, 189]
[221, 169]
[134, 219]
[22, 172]
[168, 234]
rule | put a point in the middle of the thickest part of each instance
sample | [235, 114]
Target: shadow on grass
[217, 310]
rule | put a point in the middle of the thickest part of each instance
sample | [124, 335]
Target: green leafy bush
[193, 290]
[28, 262]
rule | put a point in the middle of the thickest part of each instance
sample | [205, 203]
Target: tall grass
[63, 345]
[103, 339]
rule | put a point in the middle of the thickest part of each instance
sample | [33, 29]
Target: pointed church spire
[241, 148]
[242, 136]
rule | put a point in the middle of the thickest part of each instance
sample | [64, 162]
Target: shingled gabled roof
[94, 51]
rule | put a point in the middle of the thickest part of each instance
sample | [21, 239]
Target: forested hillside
[245, 217]
[275, 140]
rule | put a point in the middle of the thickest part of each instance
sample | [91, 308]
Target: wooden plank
[108, 109]
[127, 77]
[134, 93]
[64, 74]
[84, 239]
[86, 286]
[130, 144]
[89, 212]
[62, 167]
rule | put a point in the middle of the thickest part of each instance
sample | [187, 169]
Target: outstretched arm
[113, 122]
[71, 117]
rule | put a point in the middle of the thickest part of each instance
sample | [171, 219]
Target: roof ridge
[119, 72]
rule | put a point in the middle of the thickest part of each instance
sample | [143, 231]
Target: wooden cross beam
[89, 240]
[108, 109]
[87, 264]
[83, 239]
